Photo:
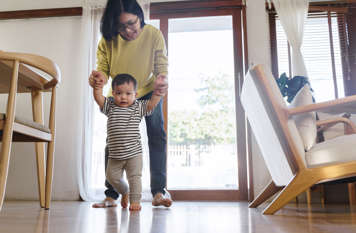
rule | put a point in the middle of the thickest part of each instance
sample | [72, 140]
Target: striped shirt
[124, 139]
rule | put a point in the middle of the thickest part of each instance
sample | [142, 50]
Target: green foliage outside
[214, 121]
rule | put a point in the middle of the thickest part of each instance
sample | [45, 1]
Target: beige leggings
[133, 169]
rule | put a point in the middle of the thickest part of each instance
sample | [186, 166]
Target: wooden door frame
[235, 8]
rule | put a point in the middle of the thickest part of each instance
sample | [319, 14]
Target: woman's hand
[97, 79]
[161, 85]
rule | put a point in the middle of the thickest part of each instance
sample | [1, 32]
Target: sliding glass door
[205, 156]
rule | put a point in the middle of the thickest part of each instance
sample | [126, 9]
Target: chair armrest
[325, 123]
[347, 104]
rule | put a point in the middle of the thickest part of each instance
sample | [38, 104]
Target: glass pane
[201, 104]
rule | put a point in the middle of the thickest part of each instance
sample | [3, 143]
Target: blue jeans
[157, 144]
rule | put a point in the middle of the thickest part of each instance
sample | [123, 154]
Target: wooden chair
[292, 169]
[349, 128]
[17, 75]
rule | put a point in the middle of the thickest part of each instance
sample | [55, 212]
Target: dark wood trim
[250, 188]
[41, 13]
[333, 68]
[334, 6]
[208, 12]
[206, 195]
[240, 113]
[168, 8]
[289, 60]
[164, 29]
[273, 42]
[244, 25]
[350, 88]
[342, 27]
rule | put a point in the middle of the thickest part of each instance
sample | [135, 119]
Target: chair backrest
[276, 135]
[43, 64]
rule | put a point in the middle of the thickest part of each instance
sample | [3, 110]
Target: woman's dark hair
[123, 78]
[110, 20]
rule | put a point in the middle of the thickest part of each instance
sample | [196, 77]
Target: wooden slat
[27, 134]
[206, 195]
[42, 13]
[168, 8]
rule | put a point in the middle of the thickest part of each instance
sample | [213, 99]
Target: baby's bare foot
[135, 207]
[125, 200]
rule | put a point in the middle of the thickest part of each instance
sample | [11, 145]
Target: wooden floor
[182, 217]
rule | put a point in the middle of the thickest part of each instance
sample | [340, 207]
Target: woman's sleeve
[102, 58]
[160, 56]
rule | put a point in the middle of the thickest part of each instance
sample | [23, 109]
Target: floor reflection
[130, 221]
[42, 225]
[134, 222]
[183, 217]
[159, 220]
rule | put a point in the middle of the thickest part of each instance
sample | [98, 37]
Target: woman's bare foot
[107, 202]
[125, 200]
[135, 207]
[159, 199]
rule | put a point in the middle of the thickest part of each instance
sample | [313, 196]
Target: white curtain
[145, 5]
[91, 161]
[292, 14]
[90, 35]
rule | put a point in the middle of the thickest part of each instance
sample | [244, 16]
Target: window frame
[347, 18]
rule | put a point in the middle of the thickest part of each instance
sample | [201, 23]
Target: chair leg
[40, 158]
[322, 195]
[37, 112]
[4, 163]
[352, 193]
[267, 192]
[299, 184]
[49, 173]
[7, 132]
[50, 150]
[309, 197]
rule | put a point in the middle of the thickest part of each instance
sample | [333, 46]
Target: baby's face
[124, 94]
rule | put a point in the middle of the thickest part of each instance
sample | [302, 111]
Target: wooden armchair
[17, 75]
[292, 169]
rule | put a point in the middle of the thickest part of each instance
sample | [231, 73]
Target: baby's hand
[91, 81]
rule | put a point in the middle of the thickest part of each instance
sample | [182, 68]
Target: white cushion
[337, 150]
[306, 123]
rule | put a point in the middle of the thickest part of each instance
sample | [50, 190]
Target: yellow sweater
[143, 58]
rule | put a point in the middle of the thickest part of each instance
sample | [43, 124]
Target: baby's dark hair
[123, 78]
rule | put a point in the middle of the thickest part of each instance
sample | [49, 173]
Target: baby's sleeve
[143, 108]
[107, 105]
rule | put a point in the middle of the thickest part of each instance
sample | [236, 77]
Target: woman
[133, 47]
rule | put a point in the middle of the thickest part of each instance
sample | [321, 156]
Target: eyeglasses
[130, 25]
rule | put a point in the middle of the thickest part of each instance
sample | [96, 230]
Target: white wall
[57, 38]
[258, 53]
